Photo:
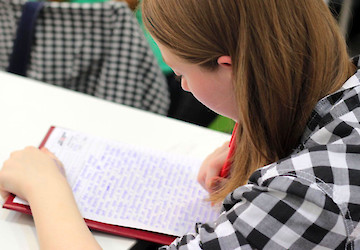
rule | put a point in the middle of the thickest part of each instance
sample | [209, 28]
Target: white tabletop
[28, 108]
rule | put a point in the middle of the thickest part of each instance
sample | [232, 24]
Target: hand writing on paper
[211, 167]
[28, 170]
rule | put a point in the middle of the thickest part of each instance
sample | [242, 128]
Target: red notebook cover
[99, 226]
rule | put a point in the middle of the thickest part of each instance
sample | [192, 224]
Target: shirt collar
[324, 106]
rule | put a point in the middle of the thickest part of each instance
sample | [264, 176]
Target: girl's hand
[211, 167]
[37, 176]
[29, 170]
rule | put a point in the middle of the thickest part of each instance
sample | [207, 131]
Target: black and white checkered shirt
[309, 200]
[98, 49]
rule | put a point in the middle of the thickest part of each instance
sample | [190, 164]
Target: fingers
[4, 194]
[46, 151]
[58, 163]
[51, 155]
[29, 169]
[209, 171]
[211, 167]
[212, 174]
[215, 183]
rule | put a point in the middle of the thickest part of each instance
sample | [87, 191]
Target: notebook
[128, 190]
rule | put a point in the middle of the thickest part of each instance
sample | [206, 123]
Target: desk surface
[28, 108]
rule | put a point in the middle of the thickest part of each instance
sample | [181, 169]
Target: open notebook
[128, 190]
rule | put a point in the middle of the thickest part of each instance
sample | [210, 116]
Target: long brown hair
[286, 55]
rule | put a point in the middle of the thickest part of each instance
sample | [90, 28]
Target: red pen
[227, 165]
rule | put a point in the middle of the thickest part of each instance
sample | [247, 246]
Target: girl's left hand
[37, 176]
[29, 170]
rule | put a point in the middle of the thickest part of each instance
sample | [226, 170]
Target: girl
[280, 69]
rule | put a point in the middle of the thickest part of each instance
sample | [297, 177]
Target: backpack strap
[20, 56]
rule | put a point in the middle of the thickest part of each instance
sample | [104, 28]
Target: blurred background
[347, 14]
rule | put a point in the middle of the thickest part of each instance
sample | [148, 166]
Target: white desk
[28, 108]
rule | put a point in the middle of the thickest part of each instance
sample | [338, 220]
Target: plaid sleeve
[284, 213]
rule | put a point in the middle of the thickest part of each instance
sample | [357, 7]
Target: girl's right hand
[29, 170]
[211, 167]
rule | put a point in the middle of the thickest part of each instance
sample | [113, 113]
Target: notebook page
[130, 186]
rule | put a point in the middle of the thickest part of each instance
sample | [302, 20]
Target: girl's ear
[224, 61]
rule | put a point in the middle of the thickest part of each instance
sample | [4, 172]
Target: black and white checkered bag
[98, 49]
